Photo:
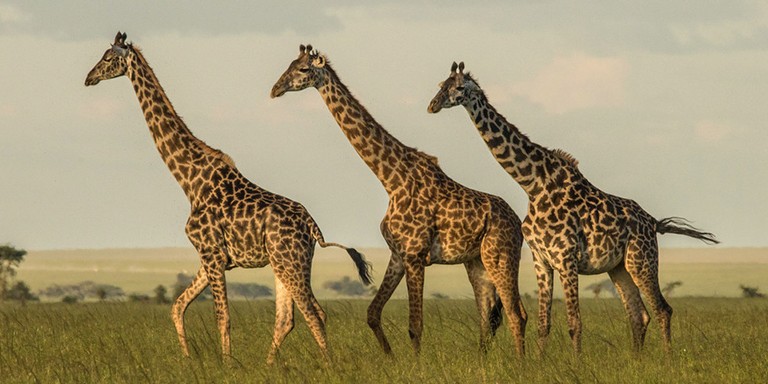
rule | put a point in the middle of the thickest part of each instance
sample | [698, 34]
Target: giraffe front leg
[217, 281]
[544, 277]
[392, 277]
[414, 278]
[569, 277]
[197, 286]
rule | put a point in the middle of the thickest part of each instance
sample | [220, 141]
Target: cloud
[712, 132]
[64, 20]
[103, 109]
[576, 82]
[10, 14]
[7, 110]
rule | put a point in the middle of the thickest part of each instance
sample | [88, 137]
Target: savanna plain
[718, 337]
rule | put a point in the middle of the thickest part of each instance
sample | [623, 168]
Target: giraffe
[430, 218]
[573, 227]
[233, 222]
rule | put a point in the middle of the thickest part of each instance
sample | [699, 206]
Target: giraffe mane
[567, 157]
[207, 149]
[474, 80]
[430, 158]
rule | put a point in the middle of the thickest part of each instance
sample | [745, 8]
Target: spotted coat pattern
[430, 219]
[572, 227]
[233, 222]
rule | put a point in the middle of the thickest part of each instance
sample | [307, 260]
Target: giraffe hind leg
[643, 266]
[633, 304]
[488, 303]
[503, 263]
[298, 286]
[284, 322]
[199, 282]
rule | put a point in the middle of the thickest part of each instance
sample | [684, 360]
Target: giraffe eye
[460, 89]
[304, 70]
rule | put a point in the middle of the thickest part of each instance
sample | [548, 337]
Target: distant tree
[69, 299]
[439, 295]
[10, 258]
[670, 287]
[603, 286]
[101, 293]
[21, 292]
[160, 292]
[249, 290]
[83, 290]
[750, 292]
[138, 298]
[347, 287]
[183, 281]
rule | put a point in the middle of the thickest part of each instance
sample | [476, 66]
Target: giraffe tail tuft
[681, 226]
[362, 265]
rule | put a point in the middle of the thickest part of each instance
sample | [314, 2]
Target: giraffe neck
[384, 154]
[530, 164]
[183, 153]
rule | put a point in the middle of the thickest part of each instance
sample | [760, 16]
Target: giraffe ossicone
[233, 222]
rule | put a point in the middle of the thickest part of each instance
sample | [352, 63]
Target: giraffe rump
[681, 226]
[362, 265]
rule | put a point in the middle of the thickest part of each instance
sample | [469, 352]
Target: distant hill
[703, 271]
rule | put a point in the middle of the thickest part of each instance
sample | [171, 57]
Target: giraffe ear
[319, 61]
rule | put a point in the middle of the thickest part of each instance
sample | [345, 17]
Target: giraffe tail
[362, 265]
[681, 226]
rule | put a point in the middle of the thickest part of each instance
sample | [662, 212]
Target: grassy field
[703, 271]
[715, 341]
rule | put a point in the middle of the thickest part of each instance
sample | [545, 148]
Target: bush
[83, 290]
[138, 298]
[20, 292]
[347, 287]
[69, 299]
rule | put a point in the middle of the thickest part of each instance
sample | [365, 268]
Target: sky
[661, 102]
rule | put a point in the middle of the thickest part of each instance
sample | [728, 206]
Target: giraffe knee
[374, 322]
[646, 319]
[374, 317]
[286, 325]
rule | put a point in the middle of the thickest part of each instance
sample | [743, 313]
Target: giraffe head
[304, 72]
[112, 64]
[457, 89]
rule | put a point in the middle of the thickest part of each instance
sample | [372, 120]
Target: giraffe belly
[596, 261]
[441, 253]
[247, 258]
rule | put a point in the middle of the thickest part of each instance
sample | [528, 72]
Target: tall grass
[715, 340]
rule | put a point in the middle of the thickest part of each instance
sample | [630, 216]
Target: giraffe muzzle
[91, 80]
[277, 91]
[434, 107]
